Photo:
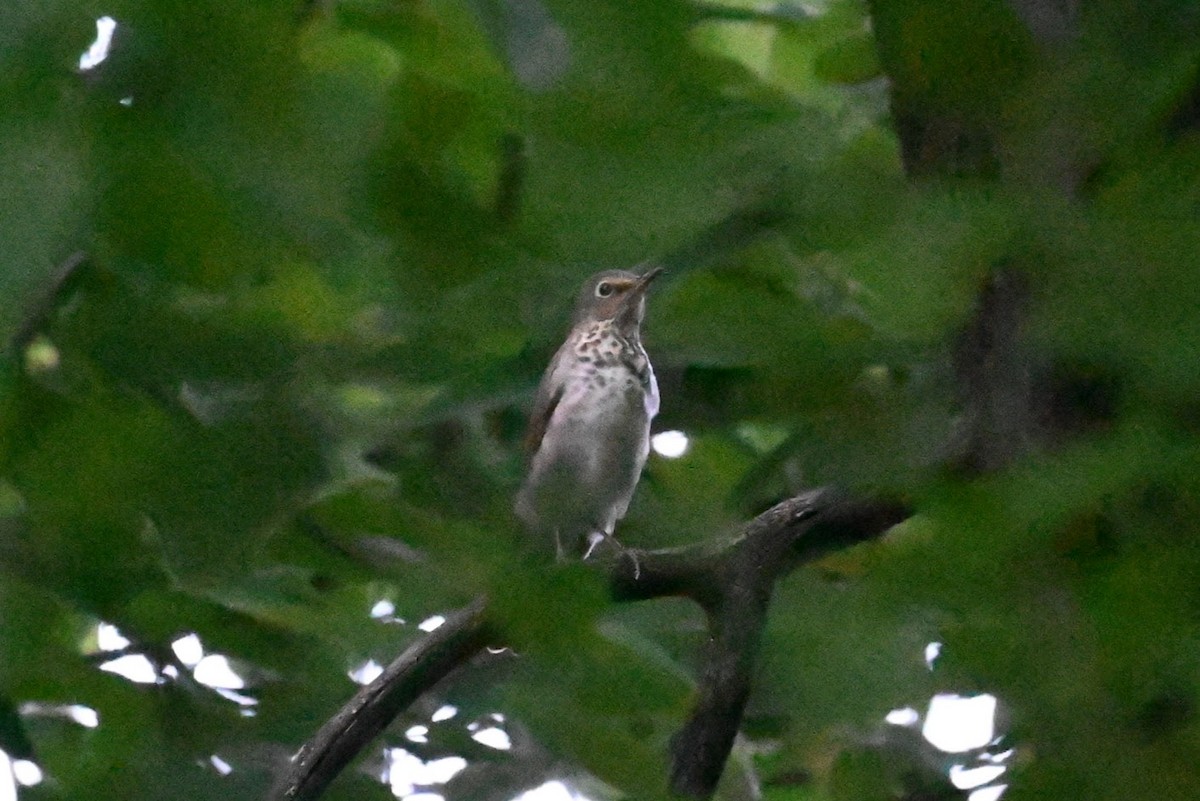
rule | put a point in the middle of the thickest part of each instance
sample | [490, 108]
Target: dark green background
[332, 246]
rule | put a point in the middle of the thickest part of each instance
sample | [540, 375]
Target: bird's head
[615, 295]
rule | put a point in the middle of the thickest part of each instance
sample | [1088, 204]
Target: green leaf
[849, 61]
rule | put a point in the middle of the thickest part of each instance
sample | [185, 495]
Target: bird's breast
[609, 391]
[605, 394]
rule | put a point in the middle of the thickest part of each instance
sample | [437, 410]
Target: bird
[589, 432]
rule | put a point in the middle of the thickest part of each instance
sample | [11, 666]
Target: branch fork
[732, 579]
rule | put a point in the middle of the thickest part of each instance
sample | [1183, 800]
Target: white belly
[594, 450]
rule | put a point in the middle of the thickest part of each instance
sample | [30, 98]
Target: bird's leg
[594, 539]
[597, 537]
[560, 555]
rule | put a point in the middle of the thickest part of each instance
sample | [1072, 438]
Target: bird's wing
[549, 393]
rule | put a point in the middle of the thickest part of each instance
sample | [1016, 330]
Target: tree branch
[41, 309]
[732, 578]
[734, 587]
[792, 533]
[372, 709]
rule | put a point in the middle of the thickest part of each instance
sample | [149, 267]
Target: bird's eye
[604, 289]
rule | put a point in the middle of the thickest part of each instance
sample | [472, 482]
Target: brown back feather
[539, 420]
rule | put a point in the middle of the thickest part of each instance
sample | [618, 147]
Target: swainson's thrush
[589, 433]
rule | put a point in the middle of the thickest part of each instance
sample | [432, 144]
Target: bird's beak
[643, 282]
[632, 304]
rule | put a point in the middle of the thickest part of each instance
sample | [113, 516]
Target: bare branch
[372, 708]
[786, 536]
[792, 533]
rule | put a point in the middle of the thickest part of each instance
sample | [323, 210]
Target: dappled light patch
[431, 623]
[222, 767]
[98, 50]
[366, 673]
[405, 772]
[134, 667]
[670, 444]
[493, 737]
[955, 723]
[17, 773]
[551, 791]
[904, 716]
[993, 793]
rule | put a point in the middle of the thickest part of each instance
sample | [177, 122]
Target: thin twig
[779, 15]
[43, 306]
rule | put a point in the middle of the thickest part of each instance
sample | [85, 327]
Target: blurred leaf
[860, 775]
[851, 60]
[825, 643]
[921, 278]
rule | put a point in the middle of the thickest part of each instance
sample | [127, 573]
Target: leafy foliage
[330, 247]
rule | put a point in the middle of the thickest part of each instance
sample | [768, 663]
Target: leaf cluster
[328, 248]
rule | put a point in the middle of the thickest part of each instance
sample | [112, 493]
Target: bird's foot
[596, 538]
[633, 557]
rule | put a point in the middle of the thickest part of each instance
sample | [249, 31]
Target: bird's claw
[596, 538]
[633, 557]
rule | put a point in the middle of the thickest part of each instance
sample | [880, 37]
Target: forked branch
[731, 578]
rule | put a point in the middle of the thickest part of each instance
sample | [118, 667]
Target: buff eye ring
[604, 289]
